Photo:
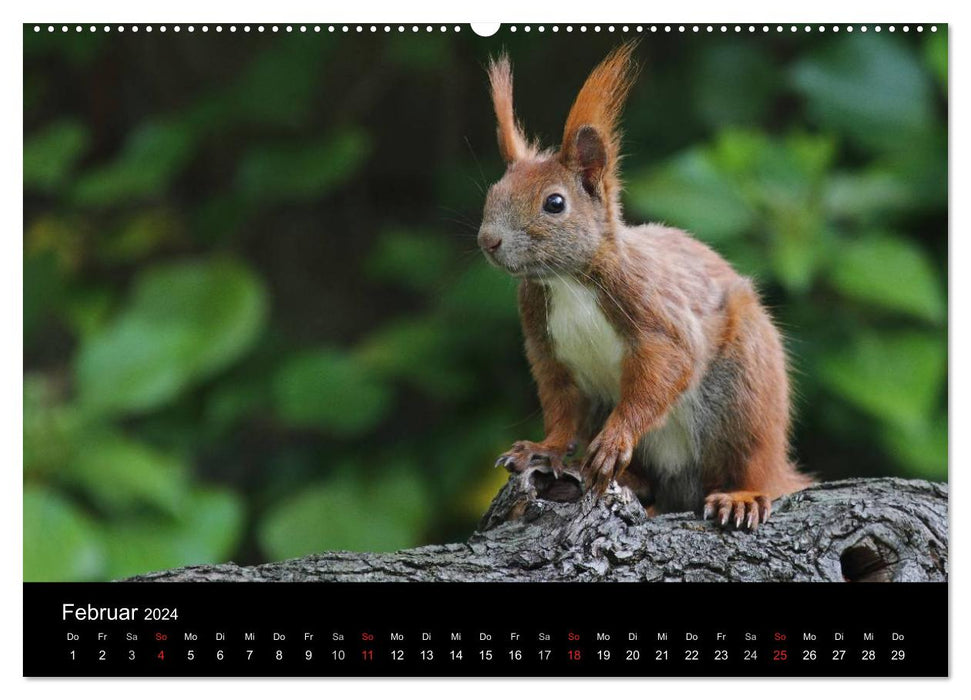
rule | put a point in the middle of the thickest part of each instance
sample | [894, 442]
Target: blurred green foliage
[257, 324]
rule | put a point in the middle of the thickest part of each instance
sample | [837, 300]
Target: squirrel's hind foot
[741, 510]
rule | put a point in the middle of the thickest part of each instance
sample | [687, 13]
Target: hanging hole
[485, 28]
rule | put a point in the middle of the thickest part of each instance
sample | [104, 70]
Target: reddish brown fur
[599, 105]
[512, 143]
[688, 322]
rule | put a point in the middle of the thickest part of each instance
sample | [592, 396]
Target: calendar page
[568, 350]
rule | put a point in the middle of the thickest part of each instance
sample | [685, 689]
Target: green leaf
[153, 155]
[868, 194]
[895, 377]
[795, 252]
[60, 542]
[51, 154]
[891, 272]
[122, 475]
[419, 351]
[690, 193]
[88, 309]
[145, 233]
[331, 390]
[185, 322]
[872, 88]
[208, 531]
[411, 259]
[213, 523]
[64, 237]
[811, 155]
[739, 154]
[772, 174]
[935, 55]
[385, 513]
[297, 172]
[921, 448]
[51, 427]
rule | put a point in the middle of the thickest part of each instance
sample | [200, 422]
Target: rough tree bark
[543, 529]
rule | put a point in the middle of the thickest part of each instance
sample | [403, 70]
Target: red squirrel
[643, 342]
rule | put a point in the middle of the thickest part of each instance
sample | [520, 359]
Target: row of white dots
[765, 28]
[248, 28]
[696, 28]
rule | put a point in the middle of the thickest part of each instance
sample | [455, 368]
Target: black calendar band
[484, 629]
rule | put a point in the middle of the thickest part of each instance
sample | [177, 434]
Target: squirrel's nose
[489, 240]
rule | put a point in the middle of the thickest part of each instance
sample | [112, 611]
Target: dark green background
[257, 324]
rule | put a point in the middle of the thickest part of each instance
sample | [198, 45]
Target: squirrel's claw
[607, 458]
[753, 519]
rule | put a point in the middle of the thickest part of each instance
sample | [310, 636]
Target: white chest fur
[588, 345]
[584, 340]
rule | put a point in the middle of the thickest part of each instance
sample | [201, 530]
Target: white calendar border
[544, 11]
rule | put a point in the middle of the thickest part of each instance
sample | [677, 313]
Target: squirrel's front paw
[607, 458]
[524, 453]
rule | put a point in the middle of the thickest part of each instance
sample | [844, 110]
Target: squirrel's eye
[554, 204]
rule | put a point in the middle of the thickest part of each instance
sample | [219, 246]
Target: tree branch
[543, 529]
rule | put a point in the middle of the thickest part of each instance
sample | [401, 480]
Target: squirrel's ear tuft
[591, 138]
[512, 143]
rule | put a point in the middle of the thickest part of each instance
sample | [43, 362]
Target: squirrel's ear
[512, 143]
[591, 139]
[589, 158]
